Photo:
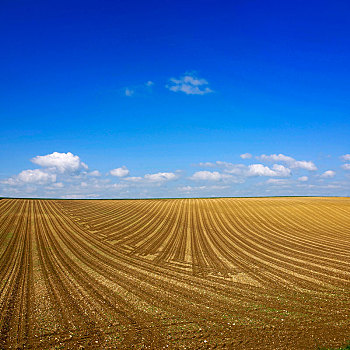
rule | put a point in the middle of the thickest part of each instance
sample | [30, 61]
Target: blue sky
[161, 88]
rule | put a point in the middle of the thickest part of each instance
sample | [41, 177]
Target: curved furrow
[99, 300]
[111, 217]
[290, 236]
[275, 257]
[144, 229]
[15, 308]
[326, 256]
[326, 212]
[131, 221]
[12, 249]
[167, 247]
[287, 221]
[283, 248]
[309, 223]
[238, 232]
[152, 239]
[111, 263]
[109, 274]
[131, 213]
[8, 227]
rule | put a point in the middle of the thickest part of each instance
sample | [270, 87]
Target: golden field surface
[253, 273]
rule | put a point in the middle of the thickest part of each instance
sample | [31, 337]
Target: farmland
[253, 273]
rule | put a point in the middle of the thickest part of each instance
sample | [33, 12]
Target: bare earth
[268, 273]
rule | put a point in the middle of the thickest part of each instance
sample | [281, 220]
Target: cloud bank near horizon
[65, 175]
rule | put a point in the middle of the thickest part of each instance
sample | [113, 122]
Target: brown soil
[268, 273]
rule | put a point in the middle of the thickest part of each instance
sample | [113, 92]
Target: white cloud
[120, 172]
[240, 171]
[345, 157]
[207, 164]
[279, 182]
[218, 163]
[328, 174]
[261, 170]
[303, 164]
[94, 173]
[246, 156]
[292, 163]
[138, 89]
[209, 176]
[234, 169]
[275, 158]
[60, 162]
[190, 85]
[65, 174]
[35, 176]
[303, 178]
[158, 177]
[133, 178]
[129, 92]
[11, 181]
[119, 186]
[54, 186]
[191, 189]
[79, 196]
[153, 178]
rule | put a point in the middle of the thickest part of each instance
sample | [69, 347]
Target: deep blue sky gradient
[279, 71]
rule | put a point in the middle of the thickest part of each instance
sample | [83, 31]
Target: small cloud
[246, 156]
[303, 164]
[303, 178]
[292, 163]
[206, 164]
[60, 162]
[36, 176]
[128, 92]
[345, 157]
[328, 174]
[74, 196]
[158, 177]
[120, 172]
[346, 166]
[94, 173]
[153, 178]
[279, 182]
[242, 171]
[261, 170]
[119, 186]
[190, 85]
[234, 169]
[133, 178]
[55, 186]
[138, 89]
[188, 189]
[209, 176]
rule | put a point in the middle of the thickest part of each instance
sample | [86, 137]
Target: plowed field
[268, 273]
